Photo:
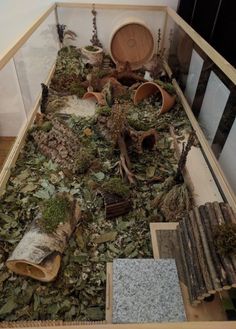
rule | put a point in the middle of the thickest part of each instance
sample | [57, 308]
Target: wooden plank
[109, 293]
[19, 142]
[111, 6]
[197, 174]
[219, 60]
[18, 44]
[204, 312]
[5, 147]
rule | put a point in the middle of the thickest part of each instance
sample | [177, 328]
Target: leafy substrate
[78, 293]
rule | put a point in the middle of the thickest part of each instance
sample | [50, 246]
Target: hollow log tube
[216, 259]
[201, 255]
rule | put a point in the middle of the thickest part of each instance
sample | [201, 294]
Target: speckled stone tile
[146, 290]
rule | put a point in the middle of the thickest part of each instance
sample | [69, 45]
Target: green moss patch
[55, 211]
[116, 186]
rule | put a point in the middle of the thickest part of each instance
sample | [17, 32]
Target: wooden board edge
[19, 142]
[109, 285]
[218, 59]
[8, 55]
[111, 6]
[164, 325]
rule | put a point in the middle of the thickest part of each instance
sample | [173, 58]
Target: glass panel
[12, 112]
[35, 60]
[193, 76]
[215, 99]
[228, 157]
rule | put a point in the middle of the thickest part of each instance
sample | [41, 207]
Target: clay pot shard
[149, 88]
[98, 97]
[38, 254]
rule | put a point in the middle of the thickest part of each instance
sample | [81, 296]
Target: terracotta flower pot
[92, 57]
[98, 97]
[149, 88]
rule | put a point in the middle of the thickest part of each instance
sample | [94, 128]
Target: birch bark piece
[38, 254]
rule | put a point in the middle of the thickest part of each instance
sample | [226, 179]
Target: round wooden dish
[132, 42]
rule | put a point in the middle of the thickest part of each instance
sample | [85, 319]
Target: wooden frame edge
[18, 44]
[218, 59]
[163, 325]
[110, 6]
[16, 148]
[109, 293]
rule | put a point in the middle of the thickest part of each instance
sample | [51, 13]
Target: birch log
[38, 254]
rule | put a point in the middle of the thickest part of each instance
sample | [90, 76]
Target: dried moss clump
[116, 186]
[225, 239]
[84, 160]
[55, 211]
[91, 48]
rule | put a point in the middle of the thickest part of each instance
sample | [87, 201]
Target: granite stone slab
[146, 290]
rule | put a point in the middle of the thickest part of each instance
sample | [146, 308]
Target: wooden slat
[219, 60]
[109, 293]
[111, 6]
[204, 312]
[19, 142]
[18, 44]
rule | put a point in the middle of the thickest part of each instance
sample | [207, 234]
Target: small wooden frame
[163, 236]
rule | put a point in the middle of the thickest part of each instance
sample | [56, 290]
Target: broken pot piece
[150, 88]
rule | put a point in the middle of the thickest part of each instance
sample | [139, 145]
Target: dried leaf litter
[78, 293]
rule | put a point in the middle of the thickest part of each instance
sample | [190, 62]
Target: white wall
[16, 16]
